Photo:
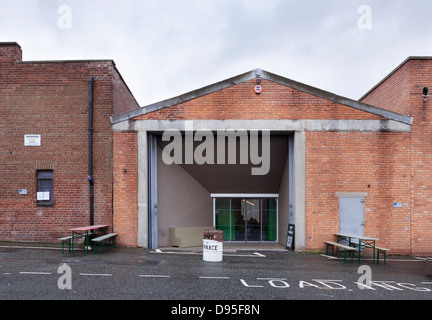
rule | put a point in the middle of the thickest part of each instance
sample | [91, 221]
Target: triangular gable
[331, 99]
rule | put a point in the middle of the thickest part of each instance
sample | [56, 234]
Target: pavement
[248, 273]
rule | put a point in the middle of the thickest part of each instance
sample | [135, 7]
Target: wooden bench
[64, 240]
[69, 240]
[101, 241]
[347, 249]
[383, 251]
[379, 250]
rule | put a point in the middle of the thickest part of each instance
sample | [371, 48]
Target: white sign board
[32, 140]
[43, 196]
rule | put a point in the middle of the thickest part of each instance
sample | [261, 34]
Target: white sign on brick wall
[32, 140]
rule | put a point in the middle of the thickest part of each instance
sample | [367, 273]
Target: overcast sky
[164, 48]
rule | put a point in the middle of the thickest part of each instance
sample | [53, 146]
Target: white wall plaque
[32, 140]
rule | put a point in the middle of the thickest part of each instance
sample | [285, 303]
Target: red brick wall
[375, 163]
[421, 157]
[394, 93]
[409, 81]
[125, 187]
[275, 102]
[10, 52]
[123, 100]
[51, 99]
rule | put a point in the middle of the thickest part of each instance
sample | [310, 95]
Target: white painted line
[96, 274]
[259, 254]
[214, 277]
[255, 255]
[152, 276]
[240, 255]
[416, 259]
[35, 272]
[169, 252]
[24, 247]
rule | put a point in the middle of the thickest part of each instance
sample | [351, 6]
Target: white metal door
[351, 215]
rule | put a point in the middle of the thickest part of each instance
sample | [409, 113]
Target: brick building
[44, 130]
[249, 160]
[327, 153]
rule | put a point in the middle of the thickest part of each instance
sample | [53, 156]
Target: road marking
[30, 272]
[415, 259]
[152, 276]
[96, 274]
[329, 257]
[213, 277]
[259, 254]
[255, 255]
[172, 252]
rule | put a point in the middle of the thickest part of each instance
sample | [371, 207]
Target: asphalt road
[242, 283]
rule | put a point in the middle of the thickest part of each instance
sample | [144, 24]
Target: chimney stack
[10, 51]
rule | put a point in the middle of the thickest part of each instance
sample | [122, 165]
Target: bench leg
[69, 245]
[351, 253]
[101, 243]
[332, 249]
[384, 253]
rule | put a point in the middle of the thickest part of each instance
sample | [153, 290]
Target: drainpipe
[90, 151]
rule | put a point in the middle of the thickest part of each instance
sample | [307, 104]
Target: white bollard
[213, 245]
[212, 250]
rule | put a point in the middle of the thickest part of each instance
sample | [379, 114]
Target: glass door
[252, 210]
[246, 219]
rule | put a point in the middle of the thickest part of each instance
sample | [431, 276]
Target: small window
[45, 188]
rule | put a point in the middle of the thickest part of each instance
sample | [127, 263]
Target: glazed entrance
[246, 219]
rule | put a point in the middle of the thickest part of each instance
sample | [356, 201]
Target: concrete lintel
[351, 194]
[273, 125]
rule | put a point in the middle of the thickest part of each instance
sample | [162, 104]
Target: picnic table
[358, 243]
[85, 232]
